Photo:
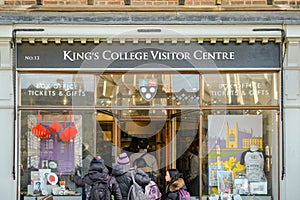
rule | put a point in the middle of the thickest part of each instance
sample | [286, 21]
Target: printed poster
[228, 137]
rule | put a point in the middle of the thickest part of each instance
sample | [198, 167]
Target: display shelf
[250, 197]
[76, 197]
[256, 197]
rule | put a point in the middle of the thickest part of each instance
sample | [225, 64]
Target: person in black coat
[97, 172]
[121, 172]
[174, 184]
[141, 164]
[141, 178]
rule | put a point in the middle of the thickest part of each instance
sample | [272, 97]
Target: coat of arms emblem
[148, 88]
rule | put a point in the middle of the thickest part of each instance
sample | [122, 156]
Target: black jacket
[141, 178]
[122, 175]
[98, 172]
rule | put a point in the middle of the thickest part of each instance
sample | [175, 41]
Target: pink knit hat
[123, 159]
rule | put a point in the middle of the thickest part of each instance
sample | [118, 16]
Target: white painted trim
[142, 70]
[167, 32]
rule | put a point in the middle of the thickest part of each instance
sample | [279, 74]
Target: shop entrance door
[120, 131]
[187, 148]
[171, 135]
[155, 106]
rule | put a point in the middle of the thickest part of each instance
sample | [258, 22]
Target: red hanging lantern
[69, 133]
[55, 127]
[64, 137]
[39, 130]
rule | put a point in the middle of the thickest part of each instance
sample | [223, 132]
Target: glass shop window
[259, 89]
[148, 90]
[54, 144]
[240, 153]
[57, 89]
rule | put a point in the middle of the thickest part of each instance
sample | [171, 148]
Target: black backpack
[100, 190]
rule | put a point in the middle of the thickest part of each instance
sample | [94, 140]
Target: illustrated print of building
[240, 138]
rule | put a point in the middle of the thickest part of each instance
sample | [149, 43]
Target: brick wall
[154, 3]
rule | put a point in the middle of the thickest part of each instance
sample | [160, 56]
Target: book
[225, 181]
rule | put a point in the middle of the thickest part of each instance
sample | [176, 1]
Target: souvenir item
[258, 188]
[225, 181]
[52, 178]
[241, 186]
[53, 165]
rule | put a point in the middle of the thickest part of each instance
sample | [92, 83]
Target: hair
[174, 174]
[143, 143]
[140, 163]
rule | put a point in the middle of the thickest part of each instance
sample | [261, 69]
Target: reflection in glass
[187, 149]
[240, 89]
[148, 90]
[57, 89]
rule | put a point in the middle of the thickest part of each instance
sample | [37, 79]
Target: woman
[174, 184]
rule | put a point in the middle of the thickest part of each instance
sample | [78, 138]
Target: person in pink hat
[121, 172]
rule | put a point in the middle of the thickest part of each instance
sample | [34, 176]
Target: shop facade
[186, 88]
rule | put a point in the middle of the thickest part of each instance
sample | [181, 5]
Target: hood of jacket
[94, 176]
[120, 169]
[176, 185]
[100, 167]
[141, 177]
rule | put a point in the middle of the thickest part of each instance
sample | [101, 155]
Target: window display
[57, 147]
[236, 160]
[49, 161]
[228, 136]
[54, 150]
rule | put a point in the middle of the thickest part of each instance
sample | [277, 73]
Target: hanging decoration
[70, 132]
[55, 127]
[39, 130]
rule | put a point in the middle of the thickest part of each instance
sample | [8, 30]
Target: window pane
[57, 89]
[239, 149]
[241, 89]
[148, 90]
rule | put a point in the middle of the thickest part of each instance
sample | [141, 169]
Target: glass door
[187, 148]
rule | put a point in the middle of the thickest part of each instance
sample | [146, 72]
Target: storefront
[217, 100]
